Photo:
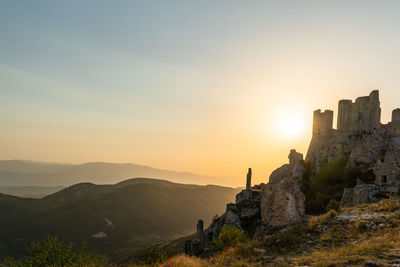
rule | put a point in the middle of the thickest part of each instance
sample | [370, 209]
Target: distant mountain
[110, 218]
[30, 191]
[30, 173]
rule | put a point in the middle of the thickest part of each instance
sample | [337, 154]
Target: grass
[386, 206]
[184, 261]
[372, 249]
[322, 219]
[372, 232]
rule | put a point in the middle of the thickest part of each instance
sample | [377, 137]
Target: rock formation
[248, 180]
[282, 201]
[360, 137]
[200, 233]
[368, 144]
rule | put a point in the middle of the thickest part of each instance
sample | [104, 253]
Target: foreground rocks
[369, 193]
[282, 202]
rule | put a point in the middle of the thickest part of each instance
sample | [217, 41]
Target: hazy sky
[199, 86]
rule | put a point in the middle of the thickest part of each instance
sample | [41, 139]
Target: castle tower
[322, 122]
[363, 114]
[396, 115]
[344, 119]
[395, 124]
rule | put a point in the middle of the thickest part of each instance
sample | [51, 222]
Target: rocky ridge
[365, 143]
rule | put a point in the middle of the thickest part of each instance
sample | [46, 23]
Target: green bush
[53, 252]
[333, 204]
[328, 184]
[230, 236]
[151, 255]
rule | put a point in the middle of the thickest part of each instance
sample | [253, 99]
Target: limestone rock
[369, 193]
[244, 195]
[282, 202]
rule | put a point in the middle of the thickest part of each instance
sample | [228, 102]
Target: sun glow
[291, 126]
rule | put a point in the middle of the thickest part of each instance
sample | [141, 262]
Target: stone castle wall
[395, 123]
[322, 122]
[363, 114]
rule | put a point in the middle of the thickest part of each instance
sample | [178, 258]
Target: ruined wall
[322, 122]
[395, 123]
[363, 114]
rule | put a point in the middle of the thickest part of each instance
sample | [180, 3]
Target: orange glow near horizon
[211, 89]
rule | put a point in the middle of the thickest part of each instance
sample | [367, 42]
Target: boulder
[282, 202]
[369, 193]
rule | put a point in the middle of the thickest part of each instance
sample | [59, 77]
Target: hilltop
[110, 218]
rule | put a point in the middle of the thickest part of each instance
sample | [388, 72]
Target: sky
[210, 87]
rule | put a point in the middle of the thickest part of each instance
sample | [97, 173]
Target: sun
[291, 125]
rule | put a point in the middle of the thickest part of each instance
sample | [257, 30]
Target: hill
[31, 173]
[365, 235]
[110, 218]
[30, 191]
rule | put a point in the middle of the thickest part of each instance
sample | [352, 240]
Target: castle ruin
[323, 122]
[362, 115]
[368, 144]
[360, 138]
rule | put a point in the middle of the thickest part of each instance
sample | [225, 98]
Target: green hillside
[123, 216]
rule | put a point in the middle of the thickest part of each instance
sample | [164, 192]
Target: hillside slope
[110, 217]
[365, 235]
[30, 191]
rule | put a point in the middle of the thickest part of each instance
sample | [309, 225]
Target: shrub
[53, 252]
[151, 255]
[328, 185]
[230, 236]
[333, 205]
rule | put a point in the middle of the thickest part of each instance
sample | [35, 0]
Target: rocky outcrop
[372, 147]
[282, 202]
[369, 193]
[244, 214]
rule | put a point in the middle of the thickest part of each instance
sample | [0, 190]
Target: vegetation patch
[53, 252]
[313, 222]
[230, 236]
[324, 190]
[386, 206]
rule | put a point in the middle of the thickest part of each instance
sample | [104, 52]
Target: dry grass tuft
[386, 206]
[185, 261]
[315, 221]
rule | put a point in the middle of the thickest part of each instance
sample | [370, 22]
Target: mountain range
[31, 173]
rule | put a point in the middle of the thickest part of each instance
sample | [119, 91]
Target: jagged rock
[369, 193]
[232, 215]
[244, 195]
[282, 202]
